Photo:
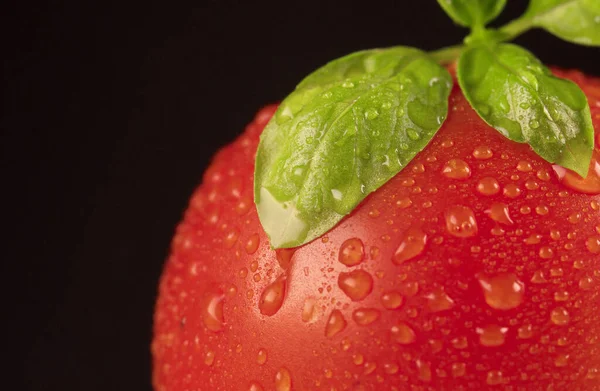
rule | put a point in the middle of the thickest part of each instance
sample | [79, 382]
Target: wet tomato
[477, 267]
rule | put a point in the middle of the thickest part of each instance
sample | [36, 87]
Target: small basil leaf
[572, 20]
[516, 94]
[346, 130]
[471, 13]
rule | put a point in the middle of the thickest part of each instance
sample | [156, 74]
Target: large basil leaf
[516, 94]
[347, 129]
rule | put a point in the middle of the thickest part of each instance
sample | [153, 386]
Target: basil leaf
[516, 94]
[346, 130]
[471, 13]
[572, 20]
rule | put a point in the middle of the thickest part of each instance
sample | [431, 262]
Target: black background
[111, 114]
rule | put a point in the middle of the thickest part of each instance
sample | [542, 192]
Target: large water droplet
[212, 310]
[254, 386]
[272, 297]
[559, 316]
[438, 300]
[482, 153]
[412, 244]
[503, 291]
[403, 334]
[593, 244]
[335, 324]
[499, 213]
[356, 284]
[488, 186]
[492, 335]
[391, 300]
[352, 252]
[365, 316]
[456, 169]
[460, 221]
[283, 380]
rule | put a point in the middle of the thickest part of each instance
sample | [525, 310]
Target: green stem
[447, 55]
[516, 28]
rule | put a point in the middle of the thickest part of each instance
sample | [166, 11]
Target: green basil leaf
[516, 94]
[471, 13]
[572, 20]
[346, 130]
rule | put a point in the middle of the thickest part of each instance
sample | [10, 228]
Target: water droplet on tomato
[512, 190]
[503, 291]
[588, 185]
[525, 332]
[308, 310]
[261, 358]
[272, 297]
[403, 334]
[499, 213]
[391, 368]
[488, 186]
[524, 166]
[561, 296]
[494, 377]
[586, 283]
[438, 300]
[456, 169]
[356, 284]
[559, 316]
[424, 370]
[593, 244]
[562, 360]
[538, 277]
[392, 300]
[284, 256]
[212, 310]
[254, 386]
[460, 221]
[412, 244]
[460, 342]
[492, 335]
[403, 203]
[546, 252]
[335, 324]
[458, 369]
[352, 252]
[358, 359]
[283, 380]
[252, 243]
[365, 316]
[482, 153]
[209, 358]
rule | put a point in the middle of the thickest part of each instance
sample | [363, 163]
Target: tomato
[476, 267]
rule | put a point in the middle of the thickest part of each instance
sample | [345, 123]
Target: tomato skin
[500, 288]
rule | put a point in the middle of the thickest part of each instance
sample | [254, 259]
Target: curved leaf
[347, 129]
[471, 13]
[516, 94]
[572, 20]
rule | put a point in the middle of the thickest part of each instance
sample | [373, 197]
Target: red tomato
[477, 267]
